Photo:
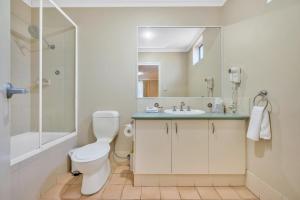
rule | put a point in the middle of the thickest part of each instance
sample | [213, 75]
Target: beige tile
[188, 193]
[169, 193]
[208, 193]
[72, 193]
[65, 179]
[244, 193]
[118, 179]
[122, 169]
[150, 193]
[54, 193]
[78, 180]
[227, 193]
[130, 192]
[129, 180]
[112, 192]
[96, 196]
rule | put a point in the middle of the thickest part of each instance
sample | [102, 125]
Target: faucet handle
[188, 108]
[174, 108]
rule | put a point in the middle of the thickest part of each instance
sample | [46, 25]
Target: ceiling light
[269, 1]
[140, 73]
[148, 35]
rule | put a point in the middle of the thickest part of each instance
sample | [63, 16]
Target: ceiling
[167, 39]
[129, 3]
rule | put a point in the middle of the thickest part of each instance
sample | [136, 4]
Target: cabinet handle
[176, 128]
[167, 126]
[213, 128]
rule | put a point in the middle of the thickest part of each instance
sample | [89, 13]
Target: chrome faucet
[181, 105]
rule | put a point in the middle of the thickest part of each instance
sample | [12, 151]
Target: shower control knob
[11, 90]
[57, 72]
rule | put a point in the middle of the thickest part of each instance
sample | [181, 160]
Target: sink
[185, 112]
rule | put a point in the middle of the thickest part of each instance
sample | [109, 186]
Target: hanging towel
[265, 128]
[255, 123]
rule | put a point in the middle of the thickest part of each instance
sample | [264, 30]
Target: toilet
[92, 160]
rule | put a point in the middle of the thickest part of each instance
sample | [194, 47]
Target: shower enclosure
[43, 68]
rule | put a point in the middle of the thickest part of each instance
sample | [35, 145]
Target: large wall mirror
[179, 62]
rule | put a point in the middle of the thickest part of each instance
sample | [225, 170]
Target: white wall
[108, 57]
[264, 39]
[172, 72]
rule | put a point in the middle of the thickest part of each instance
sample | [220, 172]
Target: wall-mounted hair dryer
[235, 74]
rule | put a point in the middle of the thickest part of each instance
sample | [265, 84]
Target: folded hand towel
[151, 110]
[255, 123]
[265, 128]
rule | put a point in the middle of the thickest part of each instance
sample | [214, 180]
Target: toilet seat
[91, 152]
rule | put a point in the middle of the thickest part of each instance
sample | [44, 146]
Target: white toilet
[92, 159]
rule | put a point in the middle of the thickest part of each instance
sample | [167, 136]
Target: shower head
[35, 33]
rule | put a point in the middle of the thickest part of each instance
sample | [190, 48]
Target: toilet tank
[105, 125]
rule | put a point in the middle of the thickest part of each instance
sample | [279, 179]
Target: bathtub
[25, 145]
[35, 168]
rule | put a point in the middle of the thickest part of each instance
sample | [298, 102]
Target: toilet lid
[92, 151]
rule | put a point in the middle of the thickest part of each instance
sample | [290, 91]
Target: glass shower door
[58, 79]
[24, 73]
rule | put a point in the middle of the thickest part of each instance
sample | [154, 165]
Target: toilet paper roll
[128, 130]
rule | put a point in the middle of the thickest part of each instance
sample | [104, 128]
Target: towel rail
[263, 94]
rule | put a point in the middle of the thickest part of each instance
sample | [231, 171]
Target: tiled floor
[119, 186]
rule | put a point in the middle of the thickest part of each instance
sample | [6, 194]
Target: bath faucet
[181, 105]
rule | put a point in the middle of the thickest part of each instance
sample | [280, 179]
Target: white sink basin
[185, 112]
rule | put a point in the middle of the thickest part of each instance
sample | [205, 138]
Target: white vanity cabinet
[227, 146]
[190, 146]
[153, 146]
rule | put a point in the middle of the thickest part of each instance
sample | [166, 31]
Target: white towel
[255, 123]
[151, 110]
[259, 126]
[265, 128]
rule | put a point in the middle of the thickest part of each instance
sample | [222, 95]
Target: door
[190, 147]
[153, 147]
[227, 147]
[4, 106]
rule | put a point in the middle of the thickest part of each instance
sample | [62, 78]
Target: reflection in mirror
[179, 62]
[148, 80]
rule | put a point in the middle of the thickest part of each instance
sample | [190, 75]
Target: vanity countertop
[206, 116]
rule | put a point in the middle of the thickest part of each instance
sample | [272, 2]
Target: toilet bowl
[92, 160]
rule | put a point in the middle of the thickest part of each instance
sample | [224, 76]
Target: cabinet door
[190, 147]
[227, 147]
[153, 147]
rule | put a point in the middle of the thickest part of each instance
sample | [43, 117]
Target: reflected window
[198, 51]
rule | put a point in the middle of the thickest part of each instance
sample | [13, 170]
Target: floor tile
[72, 193]
[122, 169]
[55, 192]
[244, 193]
[130, 192]
[150, 193]
[170, 193]
[78, 180]
[118, 179]
[129, 180]
[112, 192]
[188, 193]
[208, 193]
[65, 179]
[227, 193]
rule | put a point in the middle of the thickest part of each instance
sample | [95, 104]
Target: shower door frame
[41, 8]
